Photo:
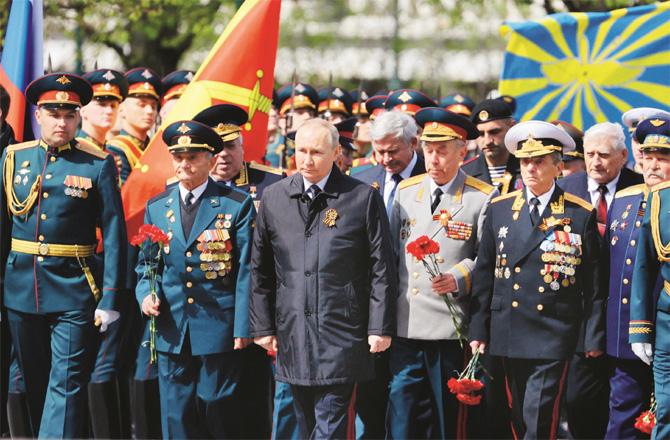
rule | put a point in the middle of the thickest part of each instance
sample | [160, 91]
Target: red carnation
[469, 399]
[645, 422]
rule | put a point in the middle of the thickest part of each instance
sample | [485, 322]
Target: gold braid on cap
[662, 251]
[14, 205]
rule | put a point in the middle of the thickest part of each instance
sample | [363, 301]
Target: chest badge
[330, 218]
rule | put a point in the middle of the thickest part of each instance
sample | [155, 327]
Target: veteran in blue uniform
[631, 379]
[366, 160]
[203, 294]
[58, 191]
[449, 206]
[537, 281]
[232, 170]
[649, 310]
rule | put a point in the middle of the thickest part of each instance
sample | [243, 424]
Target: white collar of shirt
[595, 194]
[197, 191]
[543, 198]
[321, 183]
[445, 188]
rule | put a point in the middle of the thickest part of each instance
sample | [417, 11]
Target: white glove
[644, 351]
[105, 317]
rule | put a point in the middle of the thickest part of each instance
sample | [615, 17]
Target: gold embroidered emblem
[404, 97]
[375, 185]
[183, 128]
[483, 115]
[657, 122]
[184, 140]
[330, 217]
[63, 80]
[557, 207]
[62, 96]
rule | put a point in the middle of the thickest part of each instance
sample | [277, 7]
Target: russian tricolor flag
[22, 62]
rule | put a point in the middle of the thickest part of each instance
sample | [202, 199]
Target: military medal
[502, 232]
[508, 273]
[330, 217]
[77, 186]
[219, 224]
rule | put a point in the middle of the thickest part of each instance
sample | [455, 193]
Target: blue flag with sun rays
[586, 68]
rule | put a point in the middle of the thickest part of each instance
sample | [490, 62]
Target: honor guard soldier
[367, 160]
[494, 164]
[458, 103]
[173, 86]
[408, 101]
[138, 114]
[57, 192]
[449, 206]
[362, 142]
[630, 378]
[537, 281]
[203, 294]
[297, 104]
[335, 105]
[649, 319]
[633, 117]
[346, 131]
[99, 116]
[109, 417]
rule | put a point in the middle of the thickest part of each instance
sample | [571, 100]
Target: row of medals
[561, 255]
[215, 249]
[76, 192]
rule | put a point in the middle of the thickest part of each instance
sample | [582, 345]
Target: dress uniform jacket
[253, 178]
[79, 191]
[376, 176]
[323, 279]
[213, 310]
[577, 183]
[421, 313]
[517, 307]
[127, 150]
[479, 169]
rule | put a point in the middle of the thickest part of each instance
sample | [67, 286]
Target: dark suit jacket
[322, 287]
[479, 169]
[376, 176]
[514, 308]
[577, 183]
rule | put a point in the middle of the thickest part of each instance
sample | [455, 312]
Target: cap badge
[184, 140]
[299, 88]
[183, 128]
[404, 97]
[656, 122]
[147, 74]
[63, 80]
[108, 75]
[107, 86]
[146, 86]
[531, 144]
[433, 125]
[364, 96]
[483, 115]
[459, 98]
[337, 92]
[189, 76]
[62, 96]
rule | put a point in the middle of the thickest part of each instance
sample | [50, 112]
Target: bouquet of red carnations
[466, 387]
[646, 421]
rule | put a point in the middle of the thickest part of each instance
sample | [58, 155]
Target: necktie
[437, 197]
[189, 199]
[397, 178]
[535, 211]
[601, 214]
[313, 191]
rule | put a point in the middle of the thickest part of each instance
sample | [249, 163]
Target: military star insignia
[299, 88]
[404, 97]
[108, 75]
[502, 232]
[614, 225]
[337, 92]
[147, 74]
[189, 76]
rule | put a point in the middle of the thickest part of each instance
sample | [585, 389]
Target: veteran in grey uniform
[449, 206]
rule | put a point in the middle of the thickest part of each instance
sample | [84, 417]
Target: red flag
[238, 70]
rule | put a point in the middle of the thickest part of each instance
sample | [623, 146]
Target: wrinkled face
[192, 168]
[57, 125]
[655, 167]
[229, 161]
[393, 153]
[140, 112]
[491, 140]
[603, 161]
[345, 158]
[314, 153]
[538, 173]
[100, 113]
[443, 159]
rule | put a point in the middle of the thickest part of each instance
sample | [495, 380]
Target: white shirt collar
[197, 191]
[407, 172]
[595, 194]
[543, 198]
[321, 183]
[445, 188]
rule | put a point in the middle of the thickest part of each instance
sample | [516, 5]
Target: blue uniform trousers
[630, 386]
[56, 396]
[420, 404]
[322, 410]
[284, 421]
[197, 394]
[661, 366]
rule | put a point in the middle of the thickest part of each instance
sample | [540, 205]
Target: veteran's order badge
[330, 217]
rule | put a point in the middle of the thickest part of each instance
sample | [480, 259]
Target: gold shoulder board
[267, 169]
[578, 201]
[630, 191]
[171, 180]
[506, 196]
[22, 145]
[90, 149]
[411, 181]
[479, 185]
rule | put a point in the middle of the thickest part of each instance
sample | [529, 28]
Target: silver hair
[396, 124]
[318, 122]
[610, 131]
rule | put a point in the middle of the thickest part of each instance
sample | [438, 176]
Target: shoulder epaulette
[267, 169]
[411, 181]
[506, 196]
[479, 184]
[23, 145]
[472, 159]
[660, 186]
[631, 191]
[171, 180]
[160, 196]
[90, 149]
[578, 201]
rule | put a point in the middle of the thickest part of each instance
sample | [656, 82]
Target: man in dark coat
[605, 154]
[324, 284]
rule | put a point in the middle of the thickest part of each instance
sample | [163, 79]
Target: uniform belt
[52, 250]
